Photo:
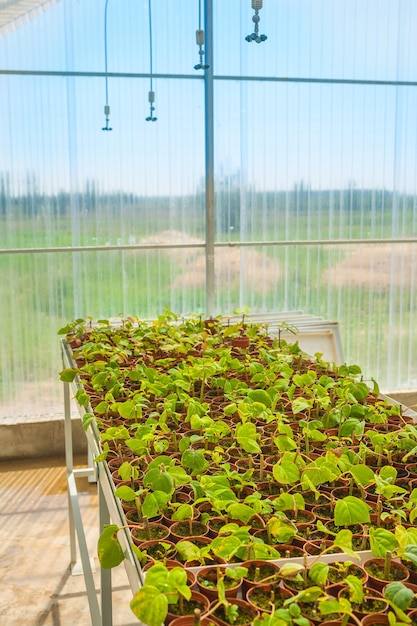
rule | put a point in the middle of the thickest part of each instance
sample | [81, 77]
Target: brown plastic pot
[188, 530]
[308, 532]
[310, 500]
[260, 572]
[337, 575]
[317, 547]
[197, 600]
[301, 516]
[245, 609]
[158, 532]
[366, 608]
[132, 518]
[214, 525]
[158, 550]
[413, 616]
[375, 619]
[207, 579]
[336, 622]
[287, 550]
[170, 564]
[240, 342]
[258, 597]
[188, 620]
[398, 572]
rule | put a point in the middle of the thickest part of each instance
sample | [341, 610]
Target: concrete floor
[37, 587]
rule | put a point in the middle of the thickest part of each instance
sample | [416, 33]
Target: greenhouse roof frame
[14, 13]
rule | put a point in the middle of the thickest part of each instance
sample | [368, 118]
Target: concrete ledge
[39, 439]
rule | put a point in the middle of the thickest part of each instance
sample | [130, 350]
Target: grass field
[40, 292]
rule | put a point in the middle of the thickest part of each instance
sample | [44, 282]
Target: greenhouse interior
[208, 354]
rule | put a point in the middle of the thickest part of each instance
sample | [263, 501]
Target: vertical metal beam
[69, 464]
[209, 156]
[85, 559]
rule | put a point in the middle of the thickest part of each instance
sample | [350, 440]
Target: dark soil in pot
[132, 518]
[259, 573]
[158, 550]
[294, 586]
[300, 517]
[311, 500]
[267, 488]
[323, 512]
[152, 532]
[338, 573]
[246, 614]
[328, 487]
[360, 542]
[188, 530]
[214, 525]
[368, 606]
[311, 611]
[187, 607]
[341, 492]
[308, 532]
[355, 528]
[265, 597]
[288, 551]
[207, 583]
[371, 603]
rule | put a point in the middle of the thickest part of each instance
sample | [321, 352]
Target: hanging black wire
[199, 37]
[255, 36]
[151, 93]
[106, 106]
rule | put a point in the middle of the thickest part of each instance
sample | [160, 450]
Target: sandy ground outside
[377, 266]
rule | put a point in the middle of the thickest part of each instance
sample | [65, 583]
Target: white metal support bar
[106, 575]
[76, 527]
[75, 513]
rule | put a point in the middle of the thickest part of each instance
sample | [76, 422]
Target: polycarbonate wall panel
[68, 183]
[319, 39]
[315, 161]
[69, 36]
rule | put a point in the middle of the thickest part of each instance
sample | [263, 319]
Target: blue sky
[273, 134]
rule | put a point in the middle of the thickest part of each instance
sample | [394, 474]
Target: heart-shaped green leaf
[109, 550]
[350, 510]
[150, 606]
